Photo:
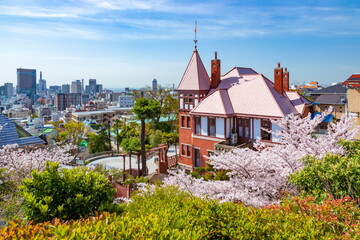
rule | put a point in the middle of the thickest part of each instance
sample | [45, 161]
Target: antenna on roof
[195, 30]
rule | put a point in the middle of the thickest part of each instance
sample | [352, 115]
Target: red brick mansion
[226, 111]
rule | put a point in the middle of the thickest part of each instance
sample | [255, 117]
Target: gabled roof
[353, 80]
[298, 101]
[195, 76]
[217, 103]
[334, 89]
[9, 135]
[248, 94]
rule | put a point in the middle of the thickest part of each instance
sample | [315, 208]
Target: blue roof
[327, 118]
[9, 135]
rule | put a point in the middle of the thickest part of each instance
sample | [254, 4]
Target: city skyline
[129, 43]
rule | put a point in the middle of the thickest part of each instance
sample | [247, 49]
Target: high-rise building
[54, 89]
[62, 101]
[99, 88]
[76, 87]
[154, 85]
[9, 90]
[74, 99]
[42, 84]
[26, 82]
[92, 86]
[65, 88]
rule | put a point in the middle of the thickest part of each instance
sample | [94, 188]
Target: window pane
[240, 131]
[211, 126]
[247, 132]
[197, 125]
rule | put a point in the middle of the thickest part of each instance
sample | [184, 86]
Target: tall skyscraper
[42, 84]
[76, 87]
[74, 99]
[154, 85]
[99, 88]
[26, 82]
[92, 86]
[65, 88]
[9, 90]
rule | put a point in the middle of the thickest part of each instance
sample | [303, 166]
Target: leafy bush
[334, 175]
[66, 193]
[10, 200]
[169, 214]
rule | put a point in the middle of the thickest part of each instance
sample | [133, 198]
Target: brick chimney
[215, 72]
[278, 79]
[286, 80]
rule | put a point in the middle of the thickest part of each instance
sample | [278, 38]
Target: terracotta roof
[353, 80]
[195, 76]
[248, 94]
[315, 83]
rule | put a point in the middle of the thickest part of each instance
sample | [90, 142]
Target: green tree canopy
[334, 175]
[145, 109]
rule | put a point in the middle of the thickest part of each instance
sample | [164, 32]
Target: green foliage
[169, 214]
[146, 109]
[65, 193]
[134, 180]
[333, 175]
[71, 132]
[155, 138]
[209, 173]
[10, 200]
[99, 142]
[114, 172]
[131, 144]
[7, 184]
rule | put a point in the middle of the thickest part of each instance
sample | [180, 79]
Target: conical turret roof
[195, 76]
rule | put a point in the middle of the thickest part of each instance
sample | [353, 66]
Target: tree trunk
[142, 143]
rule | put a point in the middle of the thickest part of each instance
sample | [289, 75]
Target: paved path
[117, 162]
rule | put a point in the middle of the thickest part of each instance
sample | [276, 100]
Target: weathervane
[195, 40]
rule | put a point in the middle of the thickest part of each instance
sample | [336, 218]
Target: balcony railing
[225, 146]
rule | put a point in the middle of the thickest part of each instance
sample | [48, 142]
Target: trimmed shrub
[169, 214]
[66, 193]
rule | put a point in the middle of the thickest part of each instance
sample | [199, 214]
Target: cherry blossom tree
[259, 176]
[21, 161]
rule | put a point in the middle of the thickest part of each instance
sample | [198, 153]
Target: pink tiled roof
[195, 76]
[249, 94]
[218, 103]
[298, 101]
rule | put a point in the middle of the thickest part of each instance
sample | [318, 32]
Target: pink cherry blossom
[257, 177]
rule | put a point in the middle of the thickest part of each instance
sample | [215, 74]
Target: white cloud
[52, 30]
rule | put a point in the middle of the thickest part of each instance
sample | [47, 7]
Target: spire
[195, 76]
[195, 40]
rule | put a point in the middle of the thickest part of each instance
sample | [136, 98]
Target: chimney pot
[278, 79]
[215, 54]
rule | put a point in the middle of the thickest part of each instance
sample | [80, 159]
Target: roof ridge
[227, 95]
[272, 96]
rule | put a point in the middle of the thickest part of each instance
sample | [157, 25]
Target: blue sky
[128, 43]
